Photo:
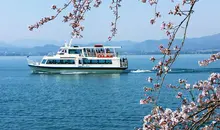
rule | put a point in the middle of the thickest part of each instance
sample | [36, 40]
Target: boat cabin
[98, 50]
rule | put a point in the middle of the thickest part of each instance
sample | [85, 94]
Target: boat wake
[140, 71]
[180, 70]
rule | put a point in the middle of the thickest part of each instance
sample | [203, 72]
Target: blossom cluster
[192, 113]
[213, 58]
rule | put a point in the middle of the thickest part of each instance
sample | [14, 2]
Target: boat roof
[89, 47]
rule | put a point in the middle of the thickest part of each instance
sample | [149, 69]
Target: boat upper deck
[96, 51]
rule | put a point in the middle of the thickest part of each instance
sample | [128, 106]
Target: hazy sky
[133, 25]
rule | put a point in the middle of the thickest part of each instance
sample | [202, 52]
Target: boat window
[87, 61]
[62, 51]
[108, 61]
[91, 52]
[75, 51]
[94, 61]
[44, 61]
[71, 61]
[66, 61]
[57, 61]
[99, 50]
[109, 50]
[60, 62]
[101, 61]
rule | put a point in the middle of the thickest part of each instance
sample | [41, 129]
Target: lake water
[85, 101]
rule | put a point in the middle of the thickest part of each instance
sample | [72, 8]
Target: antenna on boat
[70, 42]
[65, 44]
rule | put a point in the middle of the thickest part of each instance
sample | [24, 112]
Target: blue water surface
[85, 101]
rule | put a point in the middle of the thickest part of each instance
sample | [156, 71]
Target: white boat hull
[69, 70]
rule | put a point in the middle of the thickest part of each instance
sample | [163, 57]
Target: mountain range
[207, 44]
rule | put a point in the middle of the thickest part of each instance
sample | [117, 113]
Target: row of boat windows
[84, 61]
[59, 62]
[79, 51]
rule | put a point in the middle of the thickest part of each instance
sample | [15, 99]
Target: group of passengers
[97, 52]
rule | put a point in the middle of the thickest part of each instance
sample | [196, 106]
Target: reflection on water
[77, 76]
[74, 77]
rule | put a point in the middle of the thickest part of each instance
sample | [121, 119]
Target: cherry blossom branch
[76, 16]
[203, 119]
[163, 68]
[207, 101]
[47, 19]
[213, 58]
[178, 51]
[115, 8]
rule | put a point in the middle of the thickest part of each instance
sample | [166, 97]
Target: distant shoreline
[121, 54]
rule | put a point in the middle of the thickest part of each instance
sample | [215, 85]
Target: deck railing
[101, 55]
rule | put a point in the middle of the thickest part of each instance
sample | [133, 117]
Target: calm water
[84, 101]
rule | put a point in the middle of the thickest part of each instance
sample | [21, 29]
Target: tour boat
[73, 59]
